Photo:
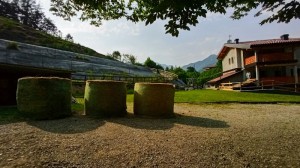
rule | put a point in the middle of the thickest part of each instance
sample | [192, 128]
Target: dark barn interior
[9, 75]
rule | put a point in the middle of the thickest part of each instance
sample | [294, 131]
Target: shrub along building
[275, 61]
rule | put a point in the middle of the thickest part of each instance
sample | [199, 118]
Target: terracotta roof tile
[271, 41]
[256, 44]
[223, 76]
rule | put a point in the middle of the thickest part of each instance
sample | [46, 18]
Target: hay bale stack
[154, 100]
[105, 98]
[44, 97]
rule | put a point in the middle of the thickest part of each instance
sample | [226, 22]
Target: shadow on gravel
[164, 124]
[144, 123]
[199, 121]
[69, 125]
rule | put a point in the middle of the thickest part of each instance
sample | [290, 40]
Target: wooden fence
[263, 85]
[127, 79]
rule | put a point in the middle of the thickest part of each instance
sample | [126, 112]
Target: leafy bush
[12, 46]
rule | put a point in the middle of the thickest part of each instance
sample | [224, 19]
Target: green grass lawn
[9, 114]
[211, 96]
[202, 96]
[78, 107]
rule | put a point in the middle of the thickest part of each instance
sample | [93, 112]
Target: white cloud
[210, 16]
[108, 28]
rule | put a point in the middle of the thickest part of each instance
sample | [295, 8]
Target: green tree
[28, 13]
[150, 63]
[179, 14]
[210, 74]
[172, 68]
[128, 58]
[138, 64]
[282, 10]
[159, 67]
[69, 37]
[116, 55]
[191, 69]
[9, 10]
[181, 73]
[191, 72]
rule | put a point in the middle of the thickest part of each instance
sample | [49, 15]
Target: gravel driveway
[204, 135]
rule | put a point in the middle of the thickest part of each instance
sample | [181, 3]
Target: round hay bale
[154, 100]
[105, 98]
[44, 97]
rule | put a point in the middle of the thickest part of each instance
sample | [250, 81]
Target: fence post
[240, 86]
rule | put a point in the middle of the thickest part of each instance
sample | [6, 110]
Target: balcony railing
[271, 57]
[275, 57]
[277, 80]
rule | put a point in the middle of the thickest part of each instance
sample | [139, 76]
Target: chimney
[236, 41]
[229, 41]
[284, 37]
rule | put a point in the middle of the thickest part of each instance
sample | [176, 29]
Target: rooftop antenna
[229, 40]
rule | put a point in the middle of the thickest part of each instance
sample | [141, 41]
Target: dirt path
[231, 135]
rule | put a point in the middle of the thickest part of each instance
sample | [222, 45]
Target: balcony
[249, 60]
[270, 58]
[277, 80]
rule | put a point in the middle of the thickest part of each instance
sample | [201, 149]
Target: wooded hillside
[14, 31]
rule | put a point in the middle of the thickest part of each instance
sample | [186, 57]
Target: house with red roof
[260, 61]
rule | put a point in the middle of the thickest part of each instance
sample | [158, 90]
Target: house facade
[275, 61]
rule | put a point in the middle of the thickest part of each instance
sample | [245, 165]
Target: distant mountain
[199, 65]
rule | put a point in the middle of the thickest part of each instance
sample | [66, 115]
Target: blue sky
[151, 41]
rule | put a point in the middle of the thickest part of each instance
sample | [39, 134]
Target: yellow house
[275, 61]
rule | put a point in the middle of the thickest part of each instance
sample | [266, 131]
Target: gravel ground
[204, 135]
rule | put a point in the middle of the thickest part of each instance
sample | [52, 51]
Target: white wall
[235, 55]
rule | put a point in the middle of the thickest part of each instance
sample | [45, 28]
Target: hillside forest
[24, 21]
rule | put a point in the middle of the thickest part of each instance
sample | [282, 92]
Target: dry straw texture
[154, 100]
[105, 98]
[44, 97]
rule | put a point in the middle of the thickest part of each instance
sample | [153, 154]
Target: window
[229, 61]
[232, 60]
[277, 73]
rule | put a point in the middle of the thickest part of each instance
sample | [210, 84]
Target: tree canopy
[200, 77]
[151, 64]
[29, 13]
[116, 55]
[129, 58]
[179, 14]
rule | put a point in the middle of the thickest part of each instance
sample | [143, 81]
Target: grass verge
[216, 96]
[219, 96]
[9, 114]
[196, 96]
